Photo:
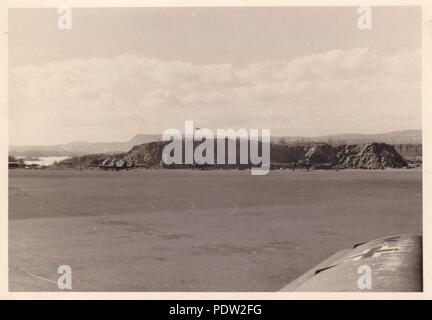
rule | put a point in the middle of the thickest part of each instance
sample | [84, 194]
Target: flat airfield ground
[192, 230]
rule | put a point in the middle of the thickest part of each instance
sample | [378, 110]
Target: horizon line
[154, 134]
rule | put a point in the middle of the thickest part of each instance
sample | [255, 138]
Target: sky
[297, 71]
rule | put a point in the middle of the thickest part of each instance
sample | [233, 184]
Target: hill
[358, 156]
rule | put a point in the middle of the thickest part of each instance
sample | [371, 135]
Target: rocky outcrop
[324, 153]
[360, 156]
[369, 156]
[149, 154]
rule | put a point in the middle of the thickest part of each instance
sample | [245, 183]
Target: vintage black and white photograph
[215, 149]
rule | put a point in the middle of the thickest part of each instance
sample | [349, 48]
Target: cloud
[108, 98]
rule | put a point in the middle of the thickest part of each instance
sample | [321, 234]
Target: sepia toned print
[215, 149]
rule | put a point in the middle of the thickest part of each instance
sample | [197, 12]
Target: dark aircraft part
[391, 264]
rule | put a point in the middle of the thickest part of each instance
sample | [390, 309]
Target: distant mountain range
[394, 137]
[79, 148]
[83, 148]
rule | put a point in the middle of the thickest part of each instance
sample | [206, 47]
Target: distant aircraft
[117, 165]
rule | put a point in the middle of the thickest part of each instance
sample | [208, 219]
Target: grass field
[189, 230]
